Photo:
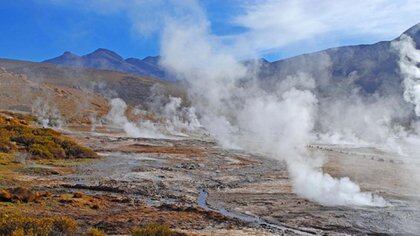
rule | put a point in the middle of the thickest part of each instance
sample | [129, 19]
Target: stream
[249, 219]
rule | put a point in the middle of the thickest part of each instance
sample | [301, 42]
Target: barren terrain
[197, 187]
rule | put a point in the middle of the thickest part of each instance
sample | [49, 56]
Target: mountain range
[105, 59]
[372, 67]
[369, 68]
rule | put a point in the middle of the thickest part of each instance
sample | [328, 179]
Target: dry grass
[17, 135]
[19, 194]
[155, 230]
[16, 224]
[71, 103]
[95, 232]
[129, 87]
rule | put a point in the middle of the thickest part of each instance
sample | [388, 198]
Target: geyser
[240, 114]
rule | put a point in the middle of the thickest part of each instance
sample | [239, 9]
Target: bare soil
[199, 188]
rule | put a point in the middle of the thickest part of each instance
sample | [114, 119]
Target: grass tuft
[155, 230]
[16, 224]
[95, 232]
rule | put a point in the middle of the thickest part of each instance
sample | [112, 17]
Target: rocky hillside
[133, 89]
[372, 67]
[49, 101]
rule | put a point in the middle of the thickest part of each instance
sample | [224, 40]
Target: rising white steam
[362, 121]
[47, 114]
[329, 191]
[172, 119]
[239, 114]
[409, 60]
[176, 118]
[117, 116]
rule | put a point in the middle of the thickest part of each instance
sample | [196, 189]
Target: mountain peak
[152, 59]
[414, 33]
[133, 59]
[63, 58]
[102, 52]
[68, 54]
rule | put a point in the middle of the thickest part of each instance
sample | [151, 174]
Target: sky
[36, 30]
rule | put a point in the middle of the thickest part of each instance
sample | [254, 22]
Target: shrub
[17, 224]
[5, 159]
[74, 150]
[18, 194]
[56, 150]
[95, 232]
[5, 196]
[40, 151]
[45, 132]
[5, 144]
[23, 138]
[40, 142]
[64, 224]
[155, 230]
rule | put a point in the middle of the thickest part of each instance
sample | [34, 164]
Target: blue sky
[40, 29]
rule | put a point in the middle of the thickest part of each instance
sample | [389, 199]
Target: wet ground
[237, 193]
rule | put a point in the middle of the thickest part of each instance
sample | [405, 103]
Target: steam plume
[171, 119]
[240, 114]
[409, 59]
[47, 114]
[117, 117]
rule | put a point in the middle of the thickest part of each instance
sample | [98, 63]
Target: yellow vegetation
[155, 230]
[41, 143]
[16, 224]
[95, 232]
[18, 194]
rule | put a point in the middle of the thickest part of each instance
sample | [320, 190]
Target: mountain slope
[373, 68]
[133, 89]
[47, 100]
[414, 33]
[147, 67]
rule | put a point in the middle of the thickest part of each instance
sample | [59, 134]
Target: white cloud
[273, 24]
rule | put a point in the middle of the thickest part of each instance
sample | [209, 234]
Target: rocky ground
[251, 191]
[199, 188]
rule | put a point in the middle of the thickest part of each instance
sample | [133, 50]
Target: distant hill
[133, 89]
[105, 59]
[18, 93]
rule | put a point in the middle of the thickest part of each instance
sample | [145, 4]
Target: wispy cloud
[271, 25]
